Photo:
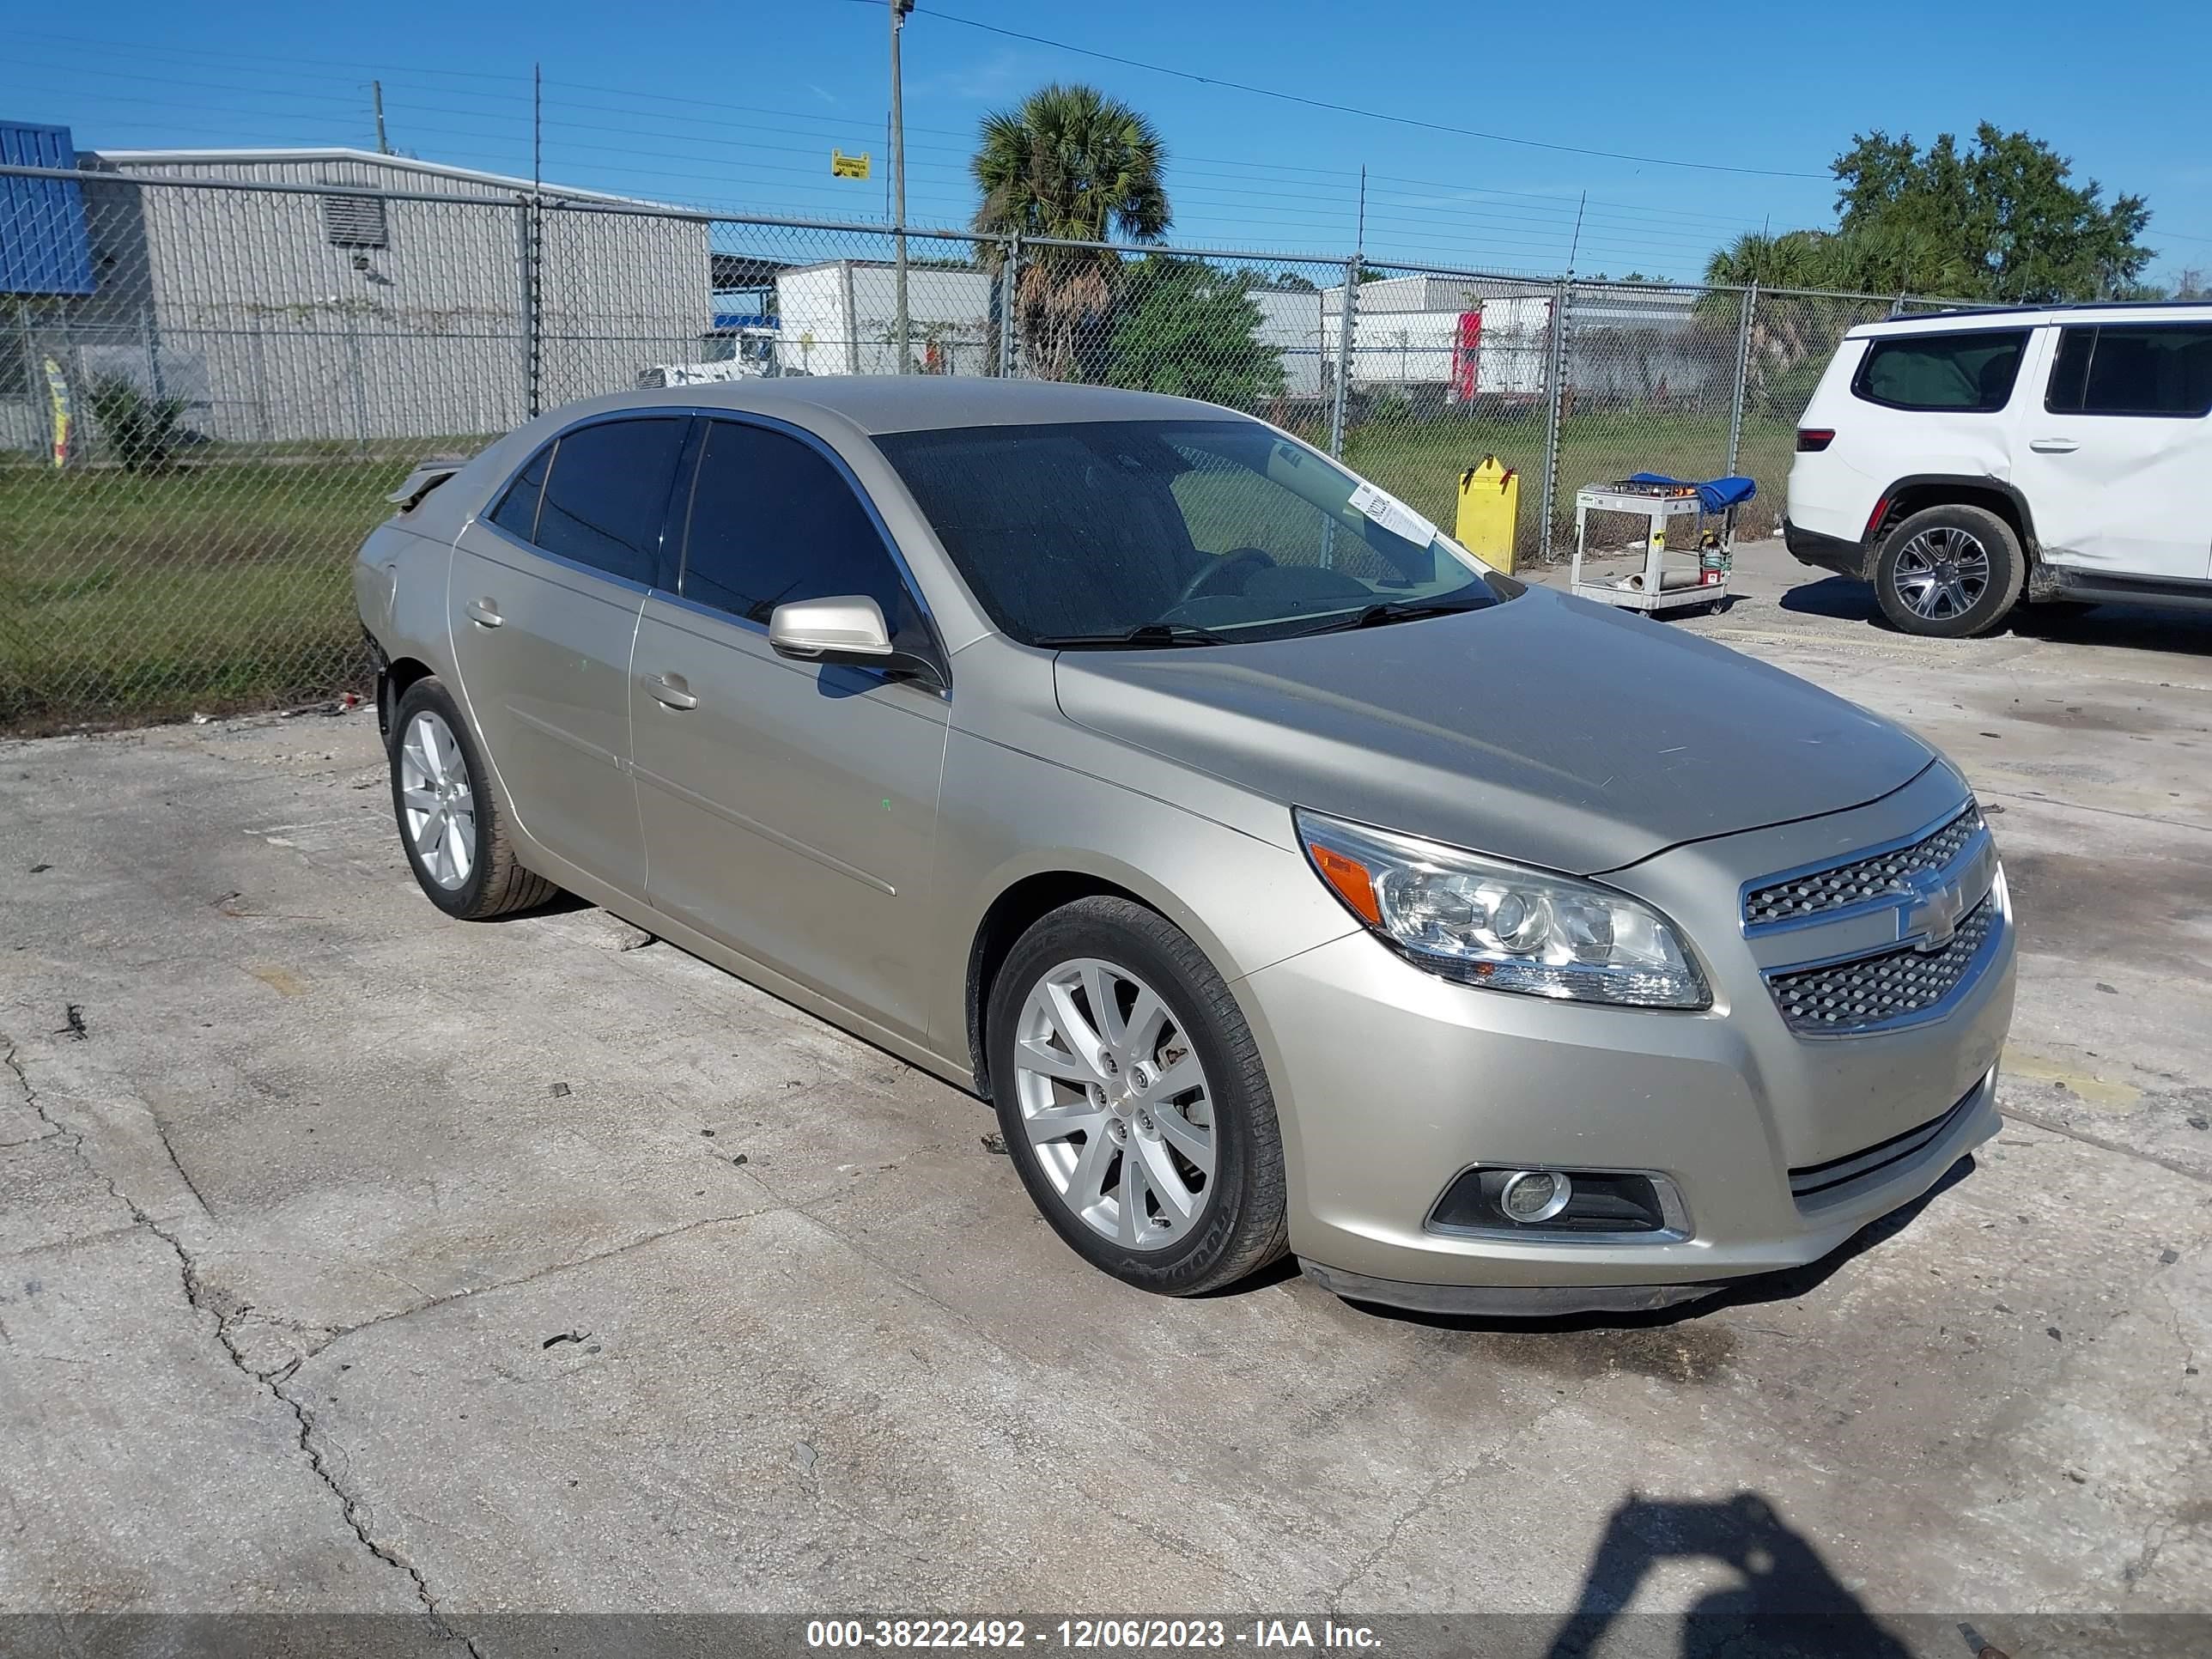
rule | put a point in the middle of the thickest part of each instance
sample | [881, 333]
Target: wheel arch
[391, 684]
[1017, 908]
[1919, 491]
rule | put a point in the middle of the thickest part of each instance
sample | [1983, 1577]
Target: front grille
[1871, 1160]
[1862, 880]
[1865, 996]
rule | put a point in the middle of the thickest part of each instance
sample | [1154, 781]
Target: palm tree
[1068, 162]
[1789, 328]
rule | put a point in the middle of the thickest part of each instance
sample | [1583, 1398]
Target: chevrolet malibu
[1287, 879]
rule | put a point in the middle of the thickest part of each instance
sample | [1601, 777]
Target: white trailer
[839, 319]
[1441, 331]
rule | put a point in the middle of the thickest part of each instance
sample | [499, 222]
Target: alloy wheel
[1942, 573]
[438, 809]
[1116, 1106]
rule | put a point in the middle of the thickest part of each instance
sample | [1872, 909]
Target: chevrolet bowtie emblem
[1930, 916]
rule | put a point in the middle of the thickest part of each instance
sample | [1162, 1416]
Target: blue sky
[739, 106]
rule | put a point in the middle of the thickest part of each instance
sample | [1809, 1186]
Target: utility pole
[376, 95]
[898, 9]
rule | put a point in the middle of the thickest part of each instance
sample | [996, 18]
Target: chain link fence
[207, 385]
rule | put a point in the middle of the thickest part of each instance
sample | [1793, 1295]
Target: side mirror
[848, 629]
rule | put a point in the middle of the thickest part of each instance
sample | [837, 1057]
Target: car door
[790, 809]
[2116, 459]
[543, 603]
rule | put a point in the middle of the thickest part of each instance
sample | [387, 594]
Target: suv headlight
[1491, 923]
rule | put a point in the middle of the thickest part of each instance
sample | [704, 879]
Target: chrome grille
[1862, 880]
[1875, 991]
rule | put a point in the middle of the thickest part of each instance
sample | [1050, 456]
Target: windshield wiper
[1392, 611]
[1141, 638]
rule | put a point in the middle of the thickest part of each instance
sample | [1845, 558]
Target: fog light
[1533, 1196]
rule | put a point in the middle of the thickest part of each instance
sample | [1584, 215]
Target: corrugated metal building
[289, 315]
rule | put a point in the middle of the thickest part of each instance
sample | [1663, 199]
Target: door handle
[2053, 446]
[668, 691]
[483, 613]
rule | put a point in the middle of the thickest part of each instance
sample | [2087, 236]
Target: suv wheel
[1133, 1102]
[1949, 572]
[449, 824]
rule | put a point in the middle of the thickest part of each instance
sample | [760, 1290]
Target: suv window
[608, 489]
[773, 521]
[517, 512]
[1968, 374]
[2132, 370]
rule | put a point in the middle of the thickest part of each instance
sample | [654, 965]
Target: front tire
[450, 824]
[1133, 1101]
[1949, 572]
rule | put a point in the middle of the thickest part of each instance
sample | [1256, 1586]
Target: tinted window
[773, 521]
[1085, 531]
[1970, 372]
[2132, 371]
[609, 488]
[517, 512]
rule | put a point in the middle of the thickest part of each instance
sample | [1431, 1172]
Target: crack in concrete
[352, 1510]
[339, 1333]
[1334, 1599]
[2051, 1125]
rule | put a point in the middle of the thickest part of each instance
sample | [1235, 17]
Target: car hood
[1546, 730]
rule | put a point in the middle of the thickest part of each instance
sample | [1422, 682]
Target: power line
[1350, 109]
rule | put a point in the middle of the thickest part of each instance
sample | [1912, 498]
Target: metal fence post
[150, 345]
[1742, 376]
[531, 254]
[1010, 276]
[525, 289]
[1347, 317]
[1555, 375]
[359, 384]
[264, 422]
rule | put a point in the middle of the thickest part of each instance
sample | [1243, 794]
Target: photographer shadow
[1786, 1601]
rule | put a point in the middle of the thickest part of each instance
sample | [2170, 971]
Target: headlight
[1495, 924]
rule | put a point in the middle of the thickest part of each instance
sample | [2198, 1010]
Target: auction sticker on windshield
[1393, 514]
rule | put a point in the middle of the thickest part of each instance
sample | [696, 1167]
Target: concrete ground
[355, 1260]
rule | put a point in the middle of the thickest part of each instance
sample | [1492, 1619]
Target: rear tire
[450, 824]
[1143, 1128]
[1949, 572]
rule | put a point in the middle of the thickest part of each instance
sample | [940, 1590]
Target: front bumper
[1389, 1081]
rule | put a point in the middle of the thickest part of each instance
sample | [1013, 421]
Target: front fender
[1007, 815]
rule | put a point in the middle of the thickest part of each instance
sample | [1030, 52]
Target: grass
[211, 586]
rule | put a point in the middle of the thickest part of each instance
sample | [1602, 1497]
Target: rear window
[1969, 374]
[2134, 370]
[603, 503]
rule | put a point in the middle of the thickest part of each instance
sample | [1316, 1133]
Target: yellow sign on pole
[1489, 509]
[842, 165]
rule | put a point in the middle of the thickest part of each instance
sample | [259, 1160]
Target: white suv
[1962, 461]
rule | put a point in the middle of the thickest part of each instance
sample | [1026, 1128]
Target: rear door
[790, 808]
[544, 600]
[1934, 402]
[2116, 455]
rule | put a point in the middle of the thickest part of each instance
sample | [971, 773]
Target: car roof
[2084, 311]
[911, 403]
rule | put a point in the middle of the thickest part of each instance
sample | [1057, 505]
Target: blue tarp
[1717, 495]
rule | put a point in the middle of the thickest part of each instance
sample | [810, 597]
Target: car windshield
[1157, 534]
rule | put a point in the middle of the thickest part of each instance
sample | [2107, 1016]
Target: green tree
[1187, 328]
[1068, 161]
[2000, 219]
